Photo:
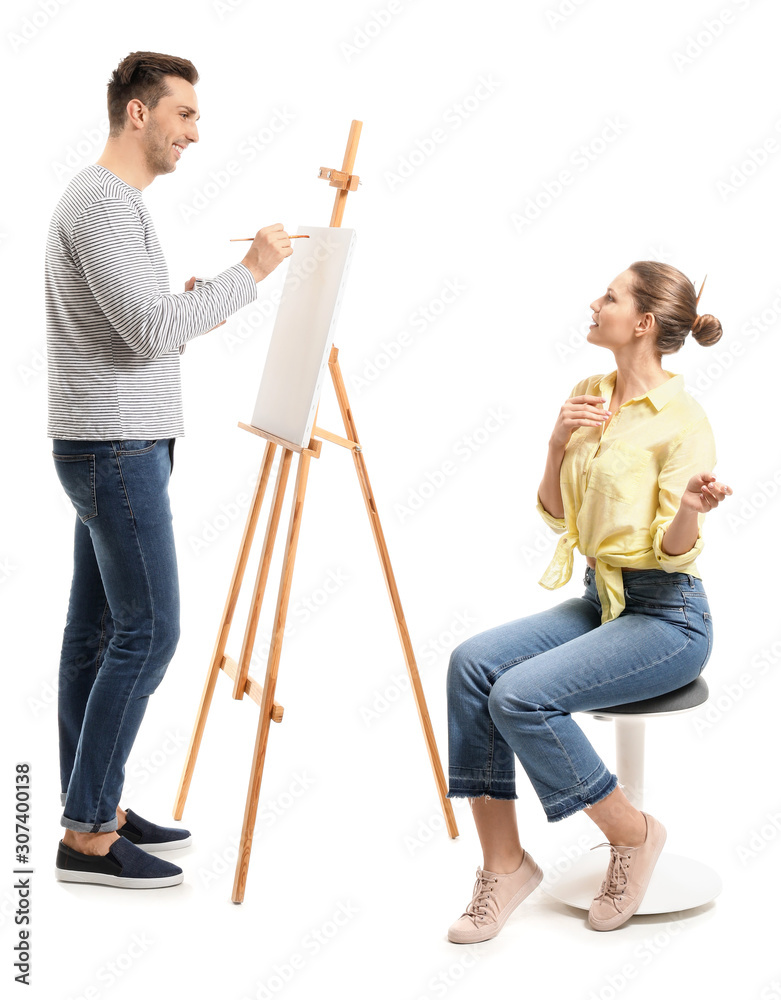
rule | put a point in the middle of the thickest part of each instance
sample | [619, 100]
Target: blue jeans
[512, 689]
[123, 615]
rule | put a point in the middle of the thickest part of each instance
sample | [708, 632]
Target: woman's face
[615, 317]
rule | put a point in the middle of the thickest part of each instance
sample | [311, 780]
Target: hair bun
[706, 329]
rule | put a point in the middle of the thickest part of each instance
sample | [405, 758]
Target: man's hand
[269, 248]
[703, 493]
[189, 285]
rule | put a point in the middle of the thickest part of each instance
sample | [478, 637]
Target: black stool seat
[681, 700]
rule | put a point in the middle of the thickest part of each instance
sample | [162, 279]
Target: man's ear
[137, 112]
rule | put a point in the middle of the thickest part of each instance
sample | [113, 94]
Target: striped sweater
[114, 331]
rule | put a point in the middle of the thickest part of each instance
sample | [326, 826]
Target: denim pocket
[77, 476]
[135, 446]
[707, 620]
[663, 599]
[618, 470]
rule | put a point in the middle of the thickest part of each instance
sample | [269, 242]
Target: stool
[677, 883]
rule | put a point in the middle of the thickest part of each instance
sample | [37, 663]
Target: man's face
[171, 126]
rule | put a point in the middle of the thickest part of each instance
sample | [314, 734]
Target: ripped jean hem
[479, 782]
[570, 804]
[491, 794]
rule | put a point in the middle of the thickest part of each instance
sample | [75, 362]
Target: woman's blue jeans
[512, 689]
[123, 615]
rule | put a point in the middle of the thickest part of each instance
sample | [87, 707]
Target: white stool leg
[678, 883]
[630, 758]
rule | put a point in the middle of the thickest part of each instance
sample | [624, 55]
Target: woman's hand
[703, 493]
[578, 411]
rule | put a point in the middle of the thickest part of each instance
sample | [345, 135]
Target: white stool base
[677, 883]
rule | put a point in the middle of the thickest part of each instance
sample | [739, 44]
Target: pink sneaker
[494, 898]
[627, 878]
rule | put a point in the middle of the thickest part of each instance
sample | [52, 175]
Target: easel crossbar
[251, 688]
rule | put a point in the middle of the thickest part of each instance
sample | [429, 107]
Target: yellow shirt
[621, 486]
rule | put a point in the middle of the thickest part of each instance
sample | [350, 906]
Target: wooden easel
[263, 695]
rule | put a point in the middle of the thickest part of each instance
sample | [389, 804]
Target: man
[114, 337]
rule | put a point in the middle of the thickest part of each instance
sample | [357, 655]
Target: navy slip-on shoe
[125, 866]
[151, 837]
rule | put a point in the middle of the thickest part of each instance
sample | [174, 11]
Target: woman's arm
[702, 494]
[685, 496]
[550, 487]
[578, 411]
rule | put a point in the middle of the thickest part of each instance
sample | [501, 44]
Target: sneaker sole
[525, 890]
[169, 845]
[621, 918]
[99, 878]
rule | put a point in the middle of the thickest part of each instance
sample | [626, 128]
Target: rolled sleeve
[558, 524]
[694, 452]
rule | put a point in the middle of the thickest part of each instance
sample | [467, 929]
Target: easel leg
[260, 582]
[269, 684]
[224, 630]
[390, 581]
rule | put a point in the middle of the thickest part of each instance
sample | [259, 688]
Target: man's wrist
[256, 273]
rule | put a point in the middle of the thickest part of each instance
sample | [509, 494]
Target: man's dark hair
[140, 75]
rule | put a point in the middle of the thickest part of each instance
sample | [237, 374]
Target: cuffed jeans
[511, 690]
[122, 625]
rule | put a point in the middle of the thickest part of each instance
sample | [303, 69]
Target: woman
[628, 481]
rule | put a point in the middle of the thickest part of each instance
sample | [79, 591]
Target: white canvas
[303, 333]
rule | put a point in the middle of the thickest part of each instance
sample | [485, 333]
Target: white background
[349, 820]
